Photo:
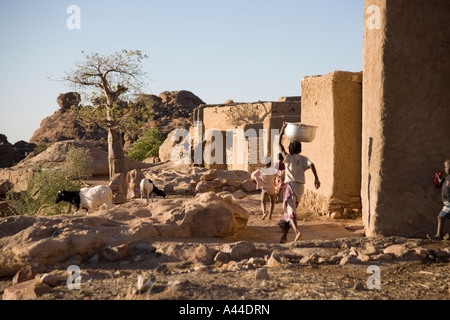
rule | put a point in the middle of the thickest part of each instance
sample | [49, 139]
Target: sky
[244, 50]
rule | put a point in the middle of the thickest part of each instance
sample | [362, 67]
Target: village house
[244, 136]
[240, 136]
[333, 103]
[380, 135]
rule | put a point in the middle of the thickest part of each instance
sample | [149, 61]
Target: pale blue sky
[244, 50]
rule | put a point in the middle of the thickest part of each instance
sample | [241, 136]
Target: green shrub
[147, 145]
[78, 164]
[41, 146]
[41, 193]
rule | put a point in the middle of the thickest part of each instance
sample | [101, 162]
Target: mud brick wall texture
[332, 102]
[406, 108]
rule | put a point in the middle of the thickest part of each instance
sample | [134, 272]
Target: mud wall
[406, 107]
[230, 118]
[226, 117]
[332, 102]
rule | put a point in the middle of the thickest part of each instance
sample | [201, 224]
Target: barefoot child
[265, 180]
[295, 167]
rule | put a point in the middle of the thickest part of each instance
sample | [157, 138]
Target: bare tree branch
[111, 77]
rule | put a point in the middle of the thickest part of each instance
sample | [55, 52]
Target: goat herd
[95, 197]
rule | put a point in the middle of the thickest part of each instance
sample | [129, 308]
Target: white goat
[87, 198]
[148, 188]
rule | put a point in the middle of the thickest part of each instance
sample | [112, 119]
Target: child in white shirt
[295, 165]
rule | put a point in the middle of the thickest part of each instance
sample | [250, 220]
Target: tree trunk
[116, 159]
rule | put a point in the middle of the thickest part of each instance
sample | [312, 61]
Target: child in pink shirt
[265, 180]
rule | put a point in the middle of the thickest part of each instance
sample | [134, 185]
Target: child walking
[295, 167]
[266, 182]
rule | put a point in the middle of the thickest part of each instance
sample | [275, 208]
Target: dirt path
[312, 227]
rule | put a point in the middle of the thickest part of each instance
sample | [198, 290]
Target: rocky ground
[146, 260]
[332, 261]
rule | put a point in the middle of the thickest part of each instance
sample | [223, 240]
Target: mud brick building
[382, 133]
[405, 114]
[395, 122]
[332, 102]
[243, 128]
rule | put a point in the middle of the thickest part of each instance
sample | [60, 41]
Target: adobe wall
[224, 117]
[240, 116]
[332, 102]
[406, 107]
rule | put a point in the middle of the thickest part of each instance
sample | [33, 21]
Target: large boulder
[180, 98]
[119, 187]
[57, 239]
[63, 125]
[68, 99]
[171, 149]
[134, 178]
[206, 215]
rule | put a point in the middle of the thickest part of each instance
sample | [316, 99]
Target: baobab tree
[111, 79]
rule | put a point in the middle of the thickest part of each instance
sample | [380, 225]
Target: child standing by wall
[445, 213]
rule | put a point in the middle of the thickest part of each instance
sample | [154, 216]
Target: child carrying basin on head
[295, 167]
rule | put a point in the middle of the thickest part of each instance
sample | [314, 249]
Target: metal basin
[296, 131]
[269, 171]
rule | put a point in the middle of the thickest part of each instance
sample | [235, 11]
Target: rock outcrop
[170, 110]
[63, 125]
[194, 180]
[56, 239]
[182, 98]
[11, 154]
[68, 99]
